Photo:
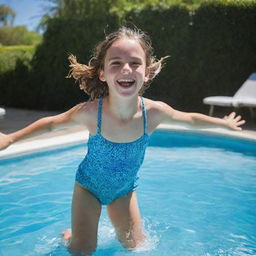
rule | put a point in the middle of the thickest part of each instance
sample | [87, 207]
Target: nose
[126, 69]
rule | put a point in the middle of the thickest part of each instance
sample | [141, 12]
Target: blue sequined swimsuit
[109, 169]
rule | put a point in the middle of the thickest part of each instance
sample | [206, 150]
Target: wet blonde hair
[88, 75]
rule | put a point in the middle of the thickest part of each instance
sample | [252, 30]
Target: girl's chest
[122, 130]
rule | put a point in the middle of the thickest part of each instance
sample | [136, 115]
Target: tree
[73, 8]
[70, 9]
[7, 15]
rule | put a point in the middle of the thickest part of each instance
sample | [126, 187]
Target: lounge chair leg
[211, 110]
[235, 109]
[252, 113]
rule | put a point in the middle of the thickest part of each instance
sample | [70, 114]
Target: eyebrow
[119, 58]
[114, 58]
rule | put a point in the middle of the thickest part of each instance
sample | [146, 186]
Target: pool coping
[40, 144]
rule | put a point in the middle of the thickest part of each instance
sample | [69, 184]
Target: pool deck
[19, 118]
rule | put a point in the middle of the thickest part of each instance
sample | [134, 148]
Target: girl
[119, 121]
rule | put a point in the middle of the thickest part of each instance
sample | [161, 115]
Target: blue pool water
[197, 196]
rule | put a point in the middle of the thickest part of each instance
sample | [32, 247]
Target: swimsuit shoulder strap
[99, 115]
[144, 111]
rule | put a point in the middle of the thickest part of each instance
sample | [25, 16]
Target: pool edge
[42, 145]
[211, 131]
[76, 138]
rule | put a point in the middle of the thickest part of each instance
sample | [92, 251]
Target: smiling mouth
[126, 83]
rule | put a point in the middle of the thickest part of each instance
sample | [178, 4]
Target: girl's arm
[168, 114]
[46, 124]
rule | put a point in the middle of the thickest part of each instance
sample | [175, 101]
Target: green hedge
[169, 31]
[212, 51]
[223, 47]
[50, 64]
[15, 72]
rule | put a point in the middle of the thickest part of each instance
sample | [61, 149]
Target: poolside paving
[16, 119]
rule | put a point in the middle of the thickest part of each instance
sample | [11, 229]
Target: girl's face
[124, 68]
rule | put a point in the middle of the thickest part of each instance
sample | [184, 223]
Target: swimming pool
[197, 196]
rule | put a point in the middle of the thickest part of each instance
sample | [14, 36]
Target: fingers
[232, 115]
[240, 123]
[238, 118]
[235, 118]
[234, 122]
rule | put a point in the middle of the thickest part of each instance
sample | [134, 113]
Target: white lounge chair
[2, 112]
[244, 97]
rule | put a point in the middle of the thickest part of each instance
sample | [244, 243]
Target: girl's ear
[146, 78]
[102, 76]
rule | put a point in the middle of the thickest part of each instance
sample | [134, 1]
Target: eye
[136, 63]
[115, 63]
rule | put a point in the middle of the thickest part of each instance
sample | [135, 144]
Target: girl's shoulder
[153, 105]
[88, 107]
[157, 110]
[86, 111]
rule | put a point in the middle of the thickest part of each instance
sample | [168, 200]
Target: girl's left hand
[234, 122]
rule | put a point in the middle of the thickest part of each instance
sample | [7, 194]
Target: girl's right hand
[5, 141]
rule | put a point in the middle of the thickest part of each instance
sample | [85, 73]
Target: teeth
[125, 81]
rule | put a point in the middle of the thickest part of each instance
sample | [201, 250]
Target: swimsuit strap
[144, 116]
[143, 111]
[99, 115]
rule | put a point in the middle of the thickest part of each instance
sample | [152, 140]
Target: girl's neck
[122, 108]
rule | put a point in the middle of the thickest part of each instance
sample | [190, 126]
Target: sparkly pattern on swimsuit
[109, 170]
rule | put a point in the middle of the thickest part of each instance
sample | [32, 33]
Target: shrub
[18, 35]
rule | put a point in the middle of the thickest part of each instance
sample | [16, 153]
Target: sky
[28, 12]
